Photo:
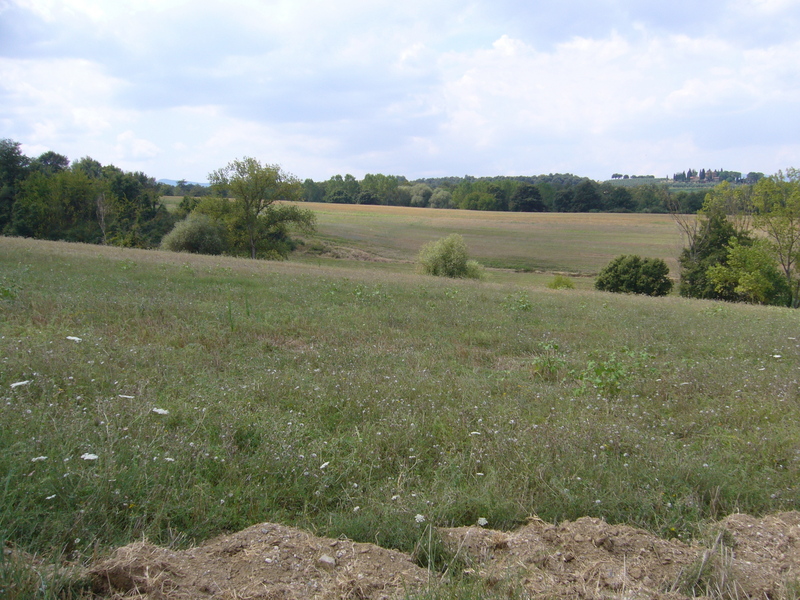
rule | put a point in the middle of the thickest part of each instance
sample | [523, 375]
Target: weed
[519, 301]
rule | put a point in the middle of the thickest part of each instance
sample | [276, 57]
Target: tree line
[48, 198]
[560, 192]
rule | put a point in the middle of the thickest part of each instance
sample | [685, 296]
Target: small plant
[447, 257]
[561, 282]
[631, 274]
[549, 362]
[520, 302]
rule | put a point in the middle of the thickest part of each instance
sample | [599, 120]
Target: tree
[752, 274]
[441, 198]
[50, 163]
[631, 274]
[255, 188]
[526, 198]
[13, 170]
[776, 201]
[367, 197]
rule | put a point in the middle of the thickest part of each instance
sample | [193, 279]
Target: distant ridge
[175, 181]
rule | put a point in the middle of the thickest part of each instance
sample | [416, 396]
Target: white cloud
[178, 88]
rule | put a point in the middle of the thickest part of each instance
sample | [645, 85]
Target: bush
[198, 234]
[631, 274]
[560, 282]
[447, 257]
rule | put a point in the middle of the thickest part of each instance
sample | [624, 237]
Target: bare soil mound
[587, 558]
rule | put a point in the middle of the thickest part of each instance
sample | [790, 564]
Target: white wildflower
[482, 522]
[419, 518]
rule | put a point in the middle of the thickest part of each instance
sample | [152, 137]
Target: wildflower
[419, 518]
[482, 522]
[89, 456]
[161, 411]
[74, 339]
[38, 459]
[19, 383]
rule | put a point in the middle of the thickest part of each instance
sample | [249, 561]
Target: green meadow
[175, 397]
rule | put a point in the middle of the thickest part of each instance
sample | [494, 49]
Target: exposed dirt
[587, 558]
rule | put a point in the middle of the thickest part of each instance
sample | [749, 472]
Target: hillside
[178, 397]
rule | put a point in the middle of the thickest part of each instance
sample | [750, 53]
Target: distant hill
[175, 182]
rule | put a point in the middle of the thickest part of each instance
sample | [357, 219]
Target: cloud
[178, 88]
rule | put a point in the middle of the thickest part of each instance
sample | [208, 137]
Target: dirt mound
[265, 561]
[587, 558]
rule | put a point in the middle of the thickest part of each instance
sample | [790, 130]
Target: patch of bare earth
[587, 558]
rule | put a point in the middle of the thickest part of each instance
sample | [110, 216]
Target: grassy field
[173, 396]
[580, 244]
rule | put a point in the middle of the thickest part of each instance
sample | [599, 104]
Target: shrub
[198, 234]
[560, 282]
[631, 274]
[447, 257]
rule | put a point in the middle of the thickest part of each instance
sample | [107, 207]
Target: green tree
[441, 198]
[776, 202]
[751, 273]
[615, 198]
[526, 198]
[13, 170]
[631, 274]
[255, 188]
[385, 187]
[724, 217]
[50, 162]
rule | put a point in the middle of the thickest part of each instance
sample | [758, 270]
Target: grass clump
[447, 257]
[561, 282]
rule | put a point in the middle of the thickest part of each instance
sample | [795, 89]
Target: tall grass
[349, 402]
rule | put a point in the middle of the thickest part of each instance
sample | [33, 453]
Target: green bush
[560, 282]
[447, 257]
[198, 234]
[631, 274]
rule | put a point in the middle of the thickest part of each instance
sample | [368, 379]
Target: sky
[420, 88]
